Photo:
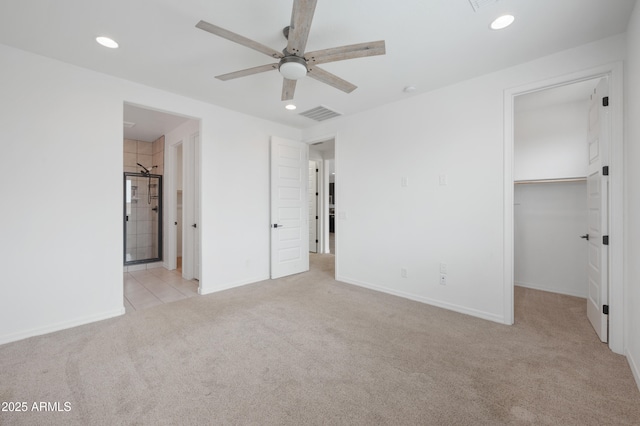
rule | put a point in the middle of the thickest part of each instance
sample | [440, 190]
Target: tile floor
[152, 287]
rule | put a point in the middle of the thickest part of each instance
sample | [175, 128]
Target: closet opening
[553, 196]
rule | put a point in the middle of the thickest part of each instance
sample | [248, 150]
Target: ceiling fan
[294, 63]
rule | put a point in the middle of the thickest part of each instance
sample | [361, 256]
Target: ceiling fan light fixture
[292, 67]
[502, 22]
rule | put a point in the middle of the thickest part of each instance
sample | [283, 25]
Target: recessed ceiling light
[107, 42]
[410, 89]
[291, 107]
[502, 22]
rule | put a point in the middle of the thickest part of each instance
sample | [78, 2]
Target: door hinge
[316, 241]
[316, 217]
[317, 194]
[317, 170]
[605, 171]
[605, 309]
[605, 240]
[605, 101]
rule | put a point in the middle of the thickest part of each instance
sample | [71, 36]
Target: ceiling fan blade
[221, 32]
[331, 79]
[301, 18]
[248, 71]
[288, 89]
[341, 53]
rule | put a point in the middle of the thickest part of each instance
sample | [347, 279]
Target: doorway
[550, 191]
[177, 139]
[614, 102]
[323, 153]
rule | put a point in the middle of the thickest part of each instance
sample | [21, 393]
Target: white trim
[634, 368]
[234, 284]
[60, 326]
[616, 206]
[456, 308]
[548, 289]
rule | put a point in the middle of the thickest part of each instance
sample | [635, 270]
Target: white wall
[551, 142]
[457, 131]
[548, 253]
[61, 167]
[632, 225]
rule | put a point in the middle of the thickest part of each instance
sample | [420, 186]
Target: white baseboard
[456, 308]
[549, 289]
[228, 286]
[634, 368]
[60, 326]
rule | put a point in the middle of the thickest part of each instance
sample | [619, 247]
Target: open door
[598, 205]
[313, 207]
[289, 207]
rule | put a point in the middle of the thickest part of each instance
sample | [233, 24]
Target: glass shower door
[142, 218]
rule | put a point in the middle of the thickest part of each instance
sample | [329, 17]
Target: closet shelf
[559, 180]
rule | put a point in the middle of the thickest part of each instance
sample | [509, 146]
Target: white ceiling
[149, 125]
[429, 44]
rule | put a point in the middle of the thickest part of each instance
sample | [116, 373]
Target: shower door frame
[125, 219]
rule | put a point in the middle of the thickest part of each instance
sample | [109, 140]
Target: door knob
[586, 237]
[194, 225]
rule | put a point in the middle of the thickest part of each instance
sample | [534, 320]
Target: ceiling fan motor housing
[292, 67]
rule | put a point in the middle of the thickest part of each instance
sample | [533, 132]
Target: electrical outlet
[403, 273]
[443, 279]
[443, 180]
[404, 181]
[443, 268]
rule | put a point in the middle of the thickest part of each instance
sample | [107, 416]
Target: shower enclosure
[142, 218]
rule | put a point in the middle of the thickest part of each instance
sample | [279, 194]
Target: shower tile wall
[142, 233]
[146, 153]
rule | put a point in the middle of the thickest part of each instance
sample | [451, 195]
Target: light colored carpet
[309, 350]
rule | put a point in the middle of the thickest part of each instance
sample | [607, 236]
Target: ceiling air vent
[320, 113]
[477, 4]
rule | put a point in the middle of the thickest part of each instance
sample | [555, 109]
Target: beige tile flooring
[152, 287]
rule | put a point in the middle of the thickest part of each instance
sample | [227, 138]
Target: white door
[313, 207]
[598, 205]
[196, 205]
[191, 208]
[289, 207]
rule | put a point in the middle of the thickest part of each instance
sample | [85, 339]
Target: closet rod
[573, 179]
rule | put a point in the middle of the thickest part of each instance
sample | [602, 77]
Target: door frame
[318, 204]
[614, 72]
[188, 213]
